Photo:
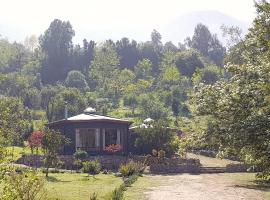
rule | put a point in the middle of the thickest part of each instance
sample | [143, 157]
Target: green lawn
[247, 180]
[69, 186]
[137, 189]
[14, 153]
[211, 162]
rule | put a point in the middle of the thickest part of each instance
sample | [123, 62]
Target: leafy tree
[207, 44]
[56, 44]
[156, 38]
[170, 47]
[15, 121]
[157, 136]
[149, 51]
[208, 75]
[88, 54]
[52, 143]
[132, 101]
[32, 98]
[143, 69]
[239, 111]
[188, 61]
[47, 95]
[34, 140]
[31, 43]
[127, 52]
[103, 68]
[152, 107]
[76, 79]
[76, 103]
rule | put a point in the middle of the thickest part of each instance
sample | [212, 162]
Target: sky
[102, 19]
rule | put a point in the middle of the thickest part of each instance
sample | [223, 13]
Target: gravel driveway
[200, 187]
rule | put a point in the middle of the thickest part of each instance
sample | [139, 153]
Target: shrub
[161, 153]
[79, 154]
[130, 180]
[113, 148]
[91, 167]
[118, 193]
[78, 164]
[34, 140]
[93, 196]
[157, 136]
[154, 152]
[26, 186]
[131, 168]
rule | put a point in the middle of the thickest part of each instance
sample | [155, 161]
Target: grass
[136, 190]
[69, 186]
[211, 162]
[247, 180]
[14, 153]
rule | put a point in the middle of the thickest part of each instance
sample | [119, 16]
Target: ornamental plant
[113, 148]
[35, 140]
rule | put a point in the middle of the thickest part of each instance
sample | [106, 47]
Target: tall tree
[127, 52]
[207, 44]
[56, 43]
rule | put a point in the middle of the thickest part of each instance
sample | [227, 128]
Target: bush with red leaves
[34, 140]
[113, 148]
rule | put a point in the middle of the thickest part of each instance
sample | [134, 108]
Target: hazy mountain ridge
[175, 31]
[184, 25]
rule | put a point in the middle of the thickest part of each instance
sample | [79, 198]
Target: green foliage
[25, 186]
[152, 107]
[76, 103]
[143, 69]
[239, 109]
[208, 75]
[131, 168]
[161, 153]
[91, 167]
[188, 61]
[52, 144]
[207, 44]
[118, 193]
[76, 79]
[56, 43]
[14, 121]
[156, 136]
[79, 154]
[78, 164]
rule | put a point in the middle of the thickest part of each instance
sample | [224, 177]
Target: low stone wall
[165, 169]
[236, 168]
[107, 162]
[150, 160]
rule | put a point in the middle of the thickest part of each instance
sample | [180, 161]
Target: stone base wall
[165, 169]
[107, 162]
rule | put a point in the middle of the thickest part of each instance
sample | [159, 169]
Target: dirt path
[200, 187]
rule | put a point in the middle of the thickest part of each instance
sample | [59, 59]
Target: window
[110, 136]
[86, 138]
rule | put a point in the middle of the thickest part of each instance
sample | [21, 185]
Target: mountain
[183, 26]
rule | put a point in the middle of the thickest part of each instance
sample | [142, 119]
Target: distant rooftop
[87, 117]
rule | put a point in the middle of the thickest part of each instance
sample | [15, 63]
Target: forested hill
[219, 98]
[121, 78]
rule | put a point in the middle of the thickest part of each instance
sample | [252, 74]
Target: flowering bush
[113, 148]
[34, 140]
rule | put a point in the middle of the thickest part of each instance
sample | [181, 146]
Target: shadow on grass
[90, 178]
[256, 185]
[53, 179]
